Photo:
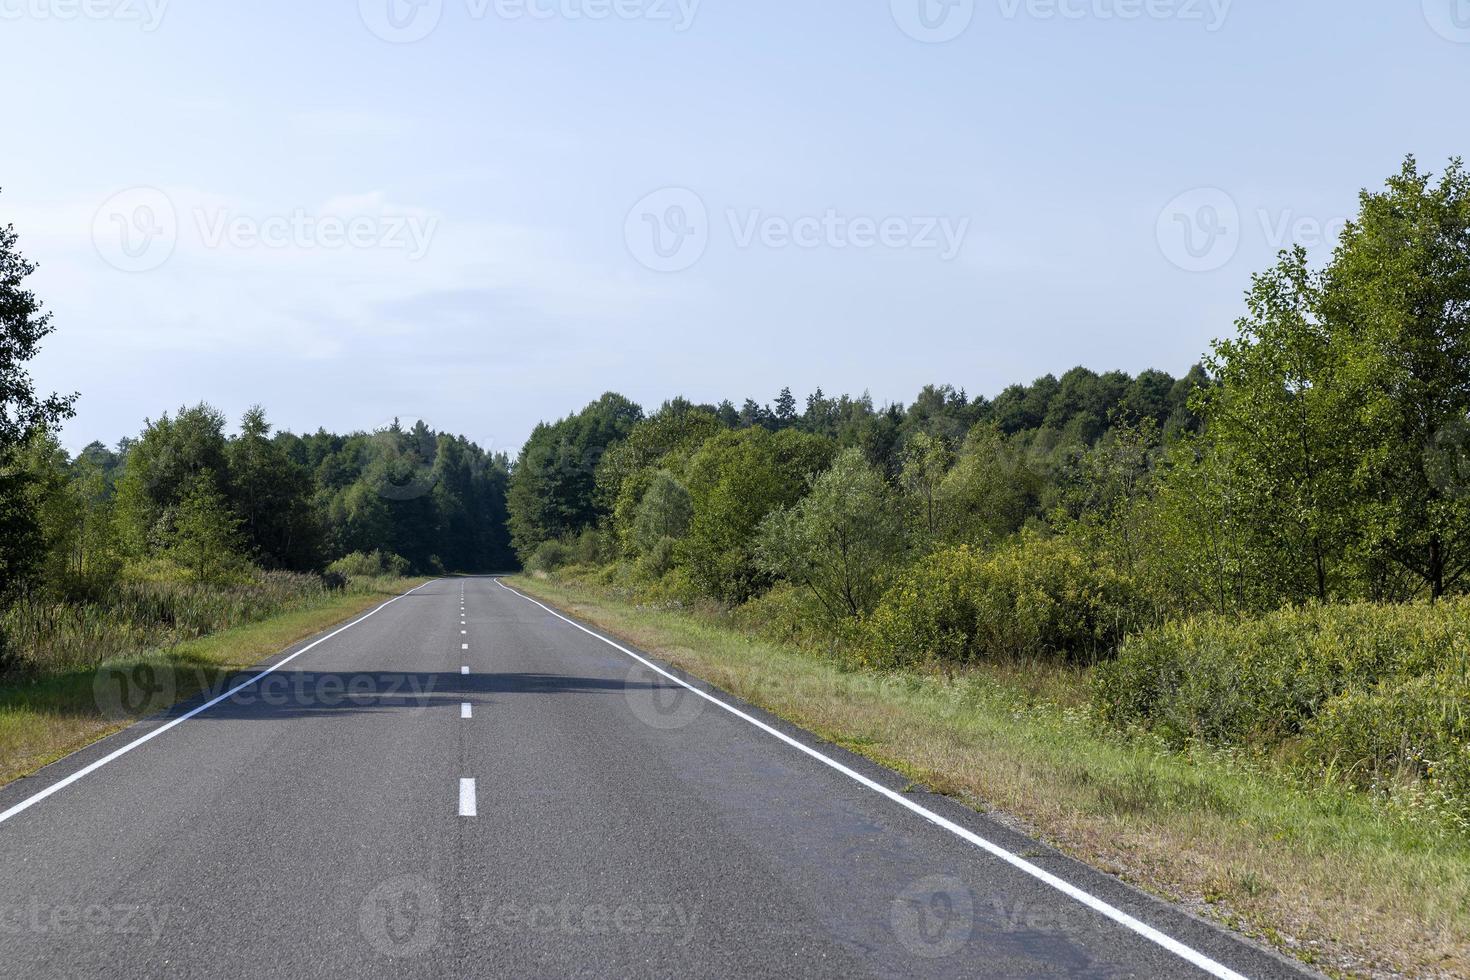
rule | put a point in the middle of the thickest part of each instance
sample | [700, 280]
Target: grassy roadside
[1324, 874]
[45, 718]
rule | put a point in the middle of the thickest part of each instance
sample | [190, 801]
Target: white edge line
[467, 798]
[30, 801]
[1066, 888]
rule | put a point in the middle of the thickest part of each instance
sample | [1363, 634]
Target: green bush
[1260, 681]
[549, 556]
[1034, 598]
[370, 564]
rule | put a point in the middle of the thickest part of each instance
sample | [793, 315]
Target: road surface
[465, 784]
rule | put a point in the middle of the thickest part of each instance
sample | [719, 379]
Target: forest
[1268, 554]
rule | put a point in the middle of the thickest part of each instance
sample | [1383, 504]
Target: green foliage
[735, 480]
[552, 492]
[23, 325]
[1367, 691]
[1033, 599]
[991, 492]
[841, 541]
[205, 536]
[369, 564]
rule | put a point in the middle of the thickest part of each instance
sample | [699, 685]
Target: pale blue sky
[488, 172]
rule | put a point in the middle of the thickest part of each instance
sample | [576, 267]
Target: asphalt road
[320, 822]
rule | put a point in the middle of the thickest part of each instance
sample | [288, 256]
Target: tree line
[187, 499]
[1317, 455]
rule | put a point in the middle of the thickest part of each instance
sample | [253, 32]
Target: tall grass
[41, 634]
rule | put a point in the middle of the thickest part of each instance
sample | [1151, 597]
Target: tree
[23, 325]
[272, 496]
[991, 491]
[1283, 411]
[839, 541]
[552, 493]
[205, 537]
[734, 481]
[926, 461]
[1399, 287]
[162, 465]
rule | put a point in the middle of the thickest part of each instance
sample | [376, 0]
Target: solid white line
[1066, 888]
[466, 797]
[30, 801]
[466, 710]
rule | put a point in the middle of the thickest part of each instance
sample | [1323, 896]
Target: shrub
[369, 564]
[1370, 694]
[1035, 598]
[548, 557]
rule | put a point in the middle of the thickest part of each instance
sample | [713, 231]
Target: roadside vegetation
[1264, 562]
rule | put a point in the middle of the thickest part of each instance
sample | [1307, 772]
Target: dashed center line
[464, 670]
[464, 646]
[466, 710]
[467, 798]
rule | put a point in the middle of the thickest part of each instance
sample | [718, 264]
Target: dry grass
[46, 717]
[1324, 874]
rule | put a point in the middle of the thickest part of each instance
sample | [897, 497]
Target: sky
[485, 213]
